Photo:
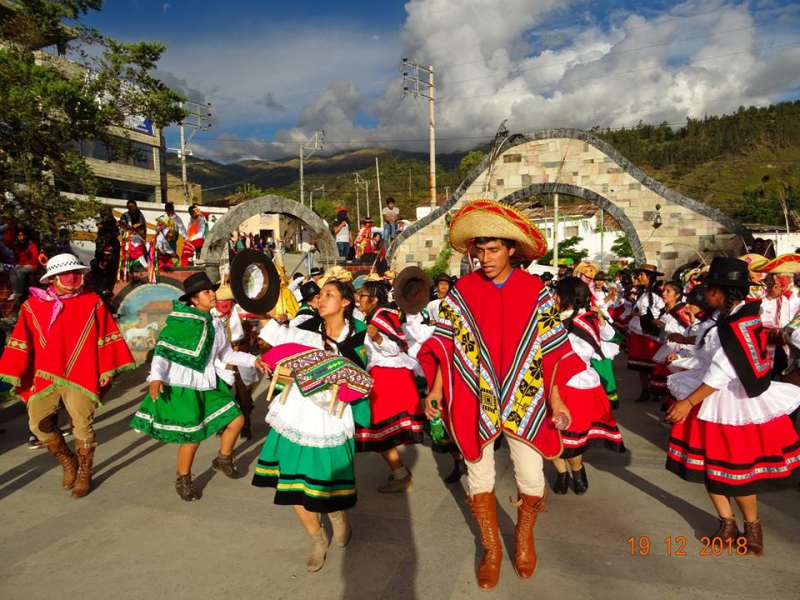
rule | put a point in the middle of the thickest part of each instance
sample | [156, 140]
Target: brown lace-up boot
[528, 509]
[85, 451]
[754, 537]
[58, 448]
[728, 530]
[484, 509]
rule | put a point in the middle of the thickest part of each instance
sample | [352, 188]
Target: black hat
[728, 272]
[443, 277]
[697, 296]
[651, 270]
[255, 282]
[316, 272]
[412, 290]
[600, 276]
[197, 282]
[308, 290]
[547, 276]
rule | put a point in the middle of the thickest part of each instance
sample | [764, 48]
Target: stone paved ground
[134, 538]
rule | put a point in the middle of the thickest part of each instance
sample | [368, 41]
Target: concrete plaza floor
[134, 538]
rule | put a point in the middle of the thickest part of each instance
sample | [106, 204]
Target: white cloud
[495, 61]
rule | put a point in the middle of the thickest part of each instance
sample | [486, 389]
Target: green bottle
[437, 427]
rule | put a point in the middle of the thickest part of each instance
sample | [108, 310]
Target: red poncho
[500, 350]
[82, 344]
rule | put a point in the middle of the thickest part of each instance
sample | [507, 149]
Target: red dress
[396, 415]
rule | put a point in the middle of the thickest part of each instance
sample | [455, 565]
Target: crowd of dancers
[497, 354]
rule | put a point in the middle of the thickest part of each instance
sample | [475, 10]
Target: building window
[512, 158]
[142, 154]
[527, 180]
[500, 182]
[571, 231]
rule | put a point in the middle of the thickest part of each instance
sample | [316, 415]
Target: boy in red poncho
[65, 348]
[494, 366]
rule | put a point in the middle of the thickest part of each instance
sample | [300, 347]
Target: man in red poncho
[65, 349]
[494, 366]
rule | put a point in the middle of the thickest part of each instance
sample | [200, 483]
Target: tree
[622, 247]
[470, 161]
[49, 105]
[566, 249]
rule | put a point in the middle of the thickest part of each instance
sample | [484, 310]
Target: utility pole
[555, 230]
[199, 118]
[311, 196]
[380, 203]
[602, 231]
[358, 201]
[359, 182]
[313, 145]
[411, 71]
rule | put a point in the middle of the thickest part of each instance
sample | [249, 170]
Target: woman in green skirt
[308, 456]
[187, 402]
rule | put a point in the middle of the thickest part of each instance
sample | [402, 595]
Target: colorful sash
[744, 341]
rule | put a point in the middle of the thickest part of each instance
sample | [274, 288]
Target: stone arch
[590, 196]
[684, 217]
[217, 240]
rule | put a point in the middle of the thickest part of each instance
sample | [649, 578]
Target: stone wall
[576, 163]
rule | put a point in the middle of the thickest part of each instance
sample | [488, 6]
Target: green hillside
[743, 164]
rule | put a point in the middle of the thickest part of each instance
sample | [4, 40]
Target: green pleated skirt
[318, 479]
[186, 416]
[605, 369]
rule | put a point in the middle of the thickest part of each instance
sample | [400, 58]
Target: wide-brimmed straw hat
[63, 263]
[584, 266]
[754, 261]
[727, 272]
[224, 292]
[412, 290]
[488, 218]
[785, 264]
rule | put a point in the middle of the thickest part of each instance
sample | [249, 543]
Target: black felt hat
[255, 282]
[412, 290]
[308, 290]
[728, 272]
[195, 283]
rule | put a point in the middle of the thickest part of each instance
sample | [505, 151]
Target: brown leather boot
[58, 448]
[528, 509]
[484, 509]
[754, 537]
[728, 530]
[83, 483]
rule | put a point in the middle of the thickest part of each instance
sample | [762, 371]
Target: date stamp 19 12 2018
[677, 546]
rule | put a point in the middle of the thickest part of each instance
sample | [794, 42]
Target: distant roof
[230, 200]
[537, 212]
[440, 199]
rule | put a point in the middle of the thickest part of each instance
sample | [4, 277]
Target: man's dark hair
[388, 200]
[485, 240]
[169, 206]
[129, 202]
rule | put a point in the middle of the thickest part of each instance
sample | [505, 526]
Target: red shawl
[83, 344]
[500, 351]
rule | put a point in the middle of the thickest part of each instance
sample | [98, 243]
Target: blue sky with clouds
[278, 71]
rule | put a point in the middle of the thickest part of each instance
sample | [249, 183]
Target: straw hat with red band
[586, 267]
[784, 264]
[492, 219]
[754, 261]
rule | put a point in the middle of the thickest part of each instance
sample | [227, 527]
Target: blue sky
[277, 71]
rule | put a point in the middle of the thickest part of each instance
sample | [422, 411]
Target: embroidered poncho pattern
[187, 337]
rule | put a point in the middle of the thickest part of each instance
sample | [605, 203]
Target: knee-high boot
[484, 509]
[58, 448]
[85, 452]
[528, 509]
